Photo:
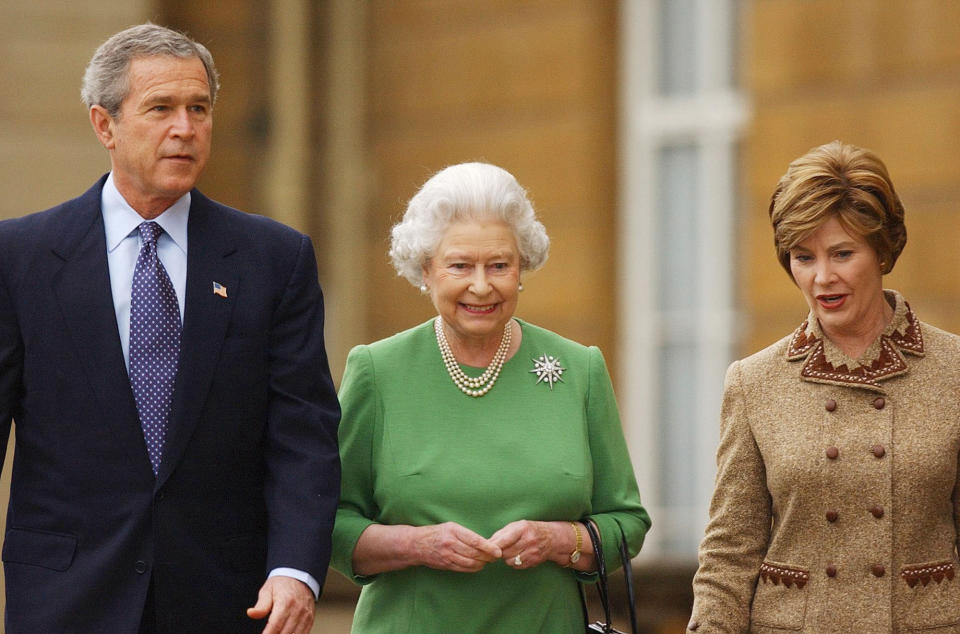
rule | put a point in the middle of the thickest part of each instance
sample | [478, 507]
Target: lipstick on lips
[831, 302]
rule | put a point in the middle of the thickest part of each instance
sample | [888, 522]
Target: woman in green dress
[475, 445]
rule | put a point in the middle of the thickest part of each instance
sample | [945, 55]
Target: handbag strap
[628, 577]
[601, 571]
[602, 587]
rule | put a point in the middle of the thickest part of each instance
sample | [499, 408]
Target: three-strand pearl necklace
[482, 384]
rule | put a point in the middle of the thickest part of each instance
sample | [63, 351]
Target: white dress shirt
[120, 223]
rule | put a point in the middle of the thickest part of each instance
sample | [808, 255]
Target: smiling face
[160, 141]
[473, 279]
[839, 276]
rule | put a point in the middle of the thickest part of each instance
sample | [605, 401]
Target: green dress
[415, 450]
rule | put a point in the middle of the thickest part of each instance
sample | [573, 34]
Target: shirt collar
[120, 219]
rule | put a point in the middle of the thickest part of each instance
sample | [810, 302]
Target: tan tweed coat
[837, 501]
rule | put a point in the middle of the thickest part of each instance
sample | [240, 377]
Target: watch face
[575, 557]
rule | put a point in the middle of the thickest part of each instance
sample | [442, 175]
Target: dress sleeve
[359, 425]
[738, 532]
[615, 502]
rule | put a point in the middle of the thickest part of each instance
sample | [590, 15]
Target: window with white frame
[681, 118]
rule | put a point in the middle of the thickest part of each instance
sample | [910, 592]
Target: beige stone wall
[880, 74]
[47, 150]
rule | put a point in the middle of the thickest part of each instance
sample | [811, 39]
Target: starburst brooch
[548, 369]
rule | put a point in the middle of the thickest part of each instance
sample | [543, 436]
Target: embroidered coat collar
[826, 363]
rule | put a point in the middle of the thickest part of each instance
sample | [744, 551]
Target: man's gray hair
[106, 80]
[468, 191]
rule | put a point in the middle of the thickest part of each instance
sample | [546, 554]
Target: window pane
[731, 27]
[677, 421]
[678, 179]
[678, 430]
[677, 47]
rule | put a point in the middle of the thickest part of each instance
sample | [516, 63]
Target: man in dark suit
[162, 358]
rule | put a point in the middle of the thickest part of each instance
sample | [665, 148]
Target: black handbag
[606, 626]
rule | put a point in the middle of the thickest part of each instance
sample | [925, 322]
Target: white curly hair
[467, 191]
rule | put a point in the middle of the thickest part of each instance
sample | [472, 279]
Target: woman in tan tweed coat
[837, 501]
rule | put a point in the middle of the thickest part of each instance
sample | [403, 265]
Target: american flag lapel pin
[219, 289]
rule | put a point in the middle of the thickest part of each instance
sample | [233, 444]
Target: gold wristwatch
[575, 555]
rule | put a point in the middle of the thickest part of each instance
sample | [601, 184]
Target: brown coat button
[832, 453]
[878, 570]
[692, 626]
[831, 405]
[876, 511]
[831, 571]
[832, 516]
[878, 451]
[879, 402]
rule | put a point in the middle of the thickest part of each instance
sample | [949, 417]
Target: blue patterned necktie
[154, 342]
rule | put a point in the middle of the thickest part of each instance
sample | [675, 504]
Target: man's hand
[289, 603]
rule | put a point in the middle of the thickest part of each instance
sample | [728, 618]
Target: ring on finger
[517, 561]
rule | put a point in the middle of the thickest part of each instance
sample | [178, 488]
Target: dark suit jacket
[250, 473]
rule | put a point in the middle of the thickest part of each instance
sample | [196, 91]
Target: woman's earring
[423, 289]
[520, 287]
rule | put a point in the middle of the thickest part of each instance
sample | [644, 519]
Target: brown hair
[841, 181]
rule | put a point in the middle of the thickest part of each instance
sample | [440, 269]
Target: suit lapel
[82, 289]
[210, 245]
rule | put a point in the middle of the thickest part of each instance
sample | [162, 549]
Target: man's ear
[103, 126]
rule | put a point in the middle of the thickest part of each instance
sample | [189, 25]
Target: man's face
[160, 142]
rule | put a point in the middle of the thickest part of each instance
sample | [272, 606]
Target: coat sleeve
[738, 532]
[11, 360]
[361, 414]
[956, 506]
[615, 502]
[300, 449]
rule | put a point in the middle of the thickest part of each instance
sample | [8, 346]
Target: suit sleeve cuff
[299, 575]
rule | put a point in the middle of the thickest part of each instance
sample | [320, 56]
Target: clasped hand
[521, 544]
